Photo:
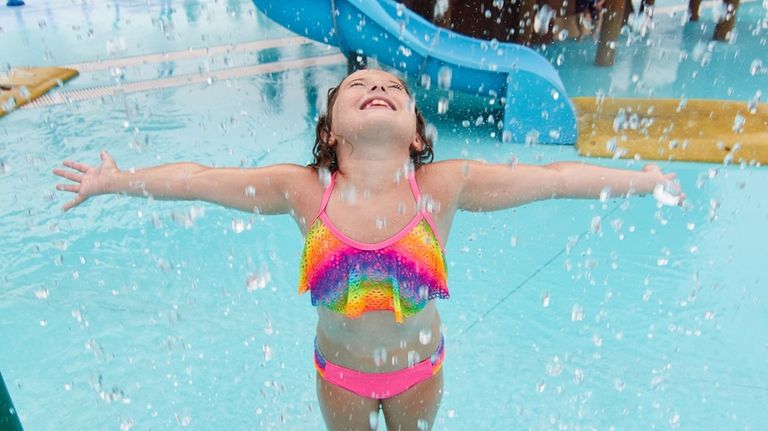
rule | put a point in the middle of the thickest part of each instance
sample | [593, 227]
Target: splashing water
[738, 123]
[444, 77]
[542, 19]
[665, 195]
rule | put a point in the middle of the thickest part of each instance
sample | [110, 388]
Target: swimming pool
[129, 314]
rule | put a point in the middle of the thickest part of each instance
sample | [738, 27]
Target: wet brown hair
[325, 154]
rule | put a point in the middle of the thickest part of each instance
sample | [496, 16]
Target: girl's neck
[375, 166]
[373, 175]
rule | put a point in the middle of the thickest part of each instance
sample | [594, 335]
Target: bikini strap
[423, 205]
[415, 188]
[327, 194]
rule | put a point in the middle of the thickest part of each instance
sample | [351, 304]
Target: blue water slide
[536, 107]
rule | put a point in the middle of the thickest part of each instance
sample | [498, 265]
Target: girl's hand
[88, 180]
[666, 190]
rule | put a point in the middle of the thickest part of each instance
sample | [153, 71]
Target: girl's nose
[381, 87]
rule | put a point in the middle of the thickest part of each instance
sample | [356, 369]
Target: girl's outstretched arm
[267, 190]
[488, 187]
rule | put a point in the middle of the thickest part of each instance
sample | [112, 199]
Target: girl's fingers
[72, 176]
[74, 165]
[74, 188]
[73, 203]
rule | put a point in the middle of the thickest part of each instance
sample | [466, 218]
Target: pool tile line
[70, 96]
[527, 279]
[189, 54]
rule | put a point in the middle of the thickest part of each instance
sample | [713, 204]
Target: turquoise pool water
[132, 314]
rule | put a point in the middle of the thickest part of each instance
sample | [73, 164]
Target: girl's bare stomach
[374, 342]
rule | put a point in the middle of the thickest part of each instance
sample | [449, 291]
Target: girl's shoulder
[449, 171]
[297, 175]
[446, 176]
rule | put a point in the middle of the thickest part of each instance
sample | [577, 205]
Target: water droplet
[532, 138]
[560, 60]
[267, 349]
[665, 195]
[238, 225]
[431, 132]
[444, 77]
[42, 293]
[379, 356]
[595, 225]
[757, 67]
[618, 384]
[738, 123]
[426, 81]
[542, 19]
[258, 281]
[487, 13]
[24, 91]
[578, 376]
[674, 421]
[425, 336]
[513, 241]
[577, 313]
[555, 368]
[605, 194]
[442, 105]
[634, 121]
[183, 419]
[422, 425]
[423, 292]
[597, 340]
[620, 120]
[381, 222]
[373, 417]
[545, 300]
[9, 105]
[413, 358]
[753, 102]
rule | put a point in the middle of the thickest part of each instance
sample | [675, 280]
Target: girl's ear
[328, 137]
[417, 143]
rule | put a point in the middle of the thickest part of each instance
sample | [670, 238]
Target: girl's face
[372, 105]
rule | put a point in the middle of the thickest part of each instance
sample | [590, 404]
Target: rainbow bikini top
[399, 274]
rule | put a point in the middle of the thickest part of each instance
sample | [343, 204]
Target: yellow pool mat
[673, 129]
[24, 84]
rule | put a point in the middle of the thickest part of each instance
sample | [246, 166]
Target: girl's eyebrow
[391, 81]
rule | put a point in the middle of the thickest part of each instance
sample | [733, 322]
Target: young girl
[376, 214]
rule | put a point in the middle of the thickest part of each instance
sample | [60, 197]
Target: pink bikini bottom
[379, 385]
